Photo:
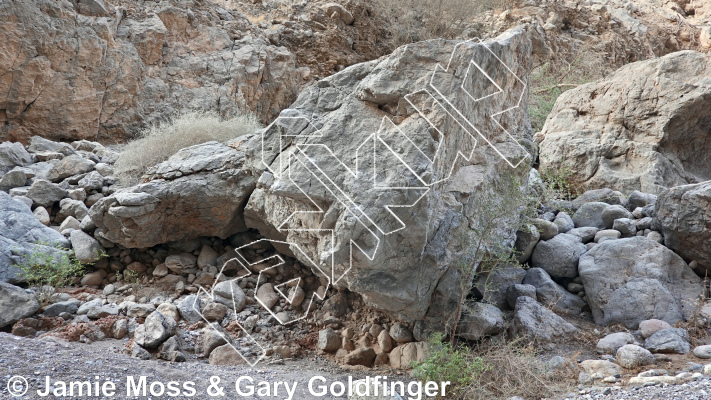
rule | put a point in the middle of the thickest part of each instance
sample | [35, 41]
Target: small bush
[558, 184]
[50, 267]
[448, 363]
[158, 142]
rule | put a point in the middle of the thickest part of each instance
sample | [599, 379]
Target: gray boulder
[533, 320]
[613, 212]
[663, 141]
[137, 217]
[480, 320]
[45, 194]
[631, 356]
[12, 155]
[21, 235]
[639, 199]
[604, 195]
[674, 340]
[526, 239]
[190, 308]
[630, 280]
[590, 214]
[328, 340]
[15, 304]
[69, 166]
[154, 331]
[585, 233]
[40, 144]
[559, 256]
[518, 290]
[702, 351]
[626, 226]
[551, 294]
[564, 222]
[493, 285]
[230, 294]
[323, 118]
[92, 181]
[69, 306]
[87, 250]
[547, 229]
[12, 179]
[682, 215]
[72, 208]
[610, 343]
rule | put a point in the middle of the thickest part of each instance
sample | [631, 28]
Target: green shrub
[449, 363]
[558, 184]
[50, 267]
[158, 142]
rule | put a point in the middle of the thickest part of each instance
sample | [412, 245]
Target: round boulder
[559, 256]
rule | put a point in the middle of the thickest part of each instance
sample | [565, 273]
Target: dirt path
[35, 359]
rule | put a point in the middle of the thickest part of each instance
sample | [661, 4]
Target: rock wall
[70, 72]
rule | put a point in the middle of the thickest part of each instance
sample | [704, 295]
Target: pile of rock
[601, 251]
[51, 186]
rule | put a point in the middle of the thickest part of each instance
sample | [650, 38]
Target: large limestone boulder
[199, 191]
[15, 304]
[357, 182]
[642, 128]
[155, 61]
[21, 234]
[683, 215]
[631, 280]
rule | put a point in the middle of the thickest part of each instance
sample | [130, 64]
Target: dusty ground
[36, 358]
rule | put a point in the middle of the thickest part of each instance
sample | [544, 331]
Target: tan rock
[404, 355]
[226, 355]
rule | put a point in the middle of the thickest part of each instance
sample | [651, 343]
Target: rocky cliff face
[101, 71]
[371, 175]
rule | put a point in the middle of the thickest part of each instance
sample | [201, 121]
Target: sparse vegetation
[414, 20]
[515, 369]
[159, 141]
[557, 184]
[507, 199]
[50, 267]
[450, 363]
[547, 83]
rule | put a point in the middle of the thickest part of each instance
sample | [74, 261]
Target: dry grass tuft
[160, 141]
[515, 369]
[414, 20]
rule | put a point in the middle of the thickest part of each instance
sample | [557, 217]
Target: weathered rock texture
[630, 280]
[308, 196]
[69, 73]
[200, 191]
[645, 127]
[21, 234]
[315, 188]
[683, 215]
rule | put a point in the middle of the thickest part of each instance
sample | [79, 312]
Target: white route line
[311, 165]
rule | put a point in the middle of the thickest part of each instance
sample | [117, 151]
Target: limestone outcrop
[645, 127]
